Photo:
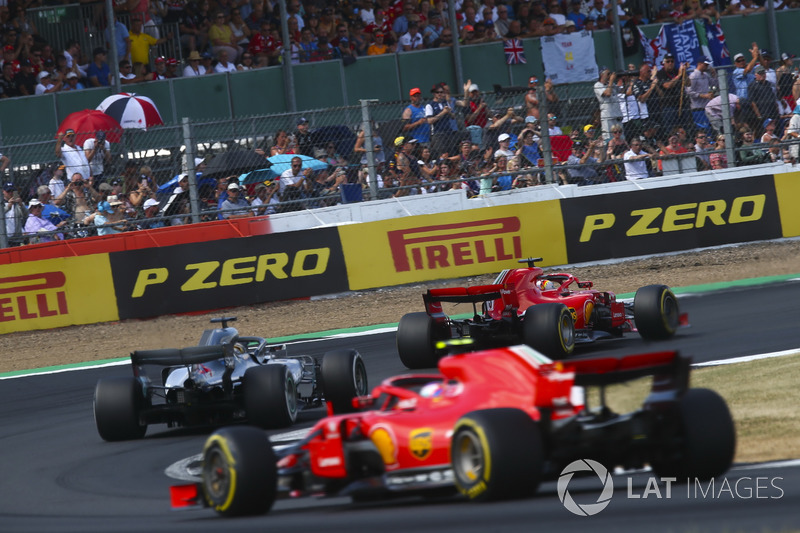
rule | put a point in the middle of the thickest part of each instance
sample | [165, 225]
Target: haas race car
[226, 378]
[490, 425]
[550, 312]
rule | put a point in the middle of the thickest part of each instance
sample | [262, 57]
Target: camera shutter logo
[587, 509]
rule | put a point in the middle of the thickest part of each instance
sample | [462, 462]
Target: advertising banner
[787, 187]
[228, 273]
[451, 245]
[670, 219]
[569, 58]
[56, 292]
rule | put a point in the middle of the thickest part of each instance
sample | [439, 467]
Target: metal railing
[466, 157]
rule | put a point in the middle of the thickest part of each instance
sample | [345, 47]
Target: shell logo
[385, 443]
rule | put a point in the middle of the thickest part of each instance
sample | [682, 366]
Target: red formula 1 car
[550, 312]
[491, 424]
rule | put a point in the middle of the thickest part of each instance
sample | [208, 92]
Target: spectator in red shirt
[476, 114]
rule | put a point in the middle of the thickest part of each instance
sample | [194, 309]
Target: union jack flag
[515, 53]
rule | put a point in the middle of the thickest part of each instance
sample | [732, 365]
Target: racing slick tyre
[417, 334]
[270, 396]
[702, 438]
[117, 403]
[497, 454]
[655, 312]
[550, 329]
[239, 472]
[344, 376]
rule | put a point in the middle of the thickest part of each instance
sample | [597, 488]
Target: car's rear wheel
[655, 312]
[270, 396]
[117, 404]
[700, 441]
[550, 329]
[344, 376]
[497, 454]
[417, 334]
[239, 472]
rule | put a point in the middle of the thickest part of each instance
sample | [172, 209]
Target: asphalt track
[58, 475]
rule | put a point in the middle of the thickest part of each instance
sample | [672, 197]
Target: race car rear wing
[669, 369]
[192, 355]
[480, 293]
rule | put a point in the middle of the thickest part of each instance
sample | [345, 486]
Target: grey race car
[226, 378]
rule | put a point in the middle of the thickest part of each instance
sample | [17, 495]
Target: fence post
[288, 74]
[772, 29]
[722, 77]
[453, 24]
[616, 32]
[366, 126]
[188, 141]
[544, 137]
[111, 26]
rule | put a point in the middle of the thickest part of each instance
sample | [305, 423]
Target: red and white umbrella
[88, 122]
[131, 111]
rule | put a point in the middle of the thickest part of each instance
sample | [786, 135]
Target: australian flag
[515, 53]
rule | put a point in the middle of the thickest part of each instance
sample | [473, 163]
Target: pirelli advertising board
[671, 218]
[56, 292]
[451, 245]
[787, 187]
[227, 273]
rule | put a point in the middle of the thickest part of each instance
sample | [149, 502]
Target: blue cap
[9, 187]
[104, 206]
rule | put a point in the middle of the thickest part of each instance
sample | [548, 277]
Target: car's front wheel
[655, 312]
[239, 472]
[497, 454]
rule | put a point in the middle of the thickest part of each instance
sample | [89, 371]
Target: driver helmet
[547, 285]
[239, 349]
[432, 390]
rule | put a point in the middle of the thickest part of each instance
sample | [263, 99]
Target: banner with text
[669, 219]
[228, 273]
[56, 292]
[451, 245]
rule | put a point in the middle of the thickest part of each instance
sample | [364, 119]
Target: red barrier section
[137, 240]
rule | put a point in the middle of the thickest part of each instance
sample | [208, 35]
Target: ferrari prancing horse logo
[420, 443]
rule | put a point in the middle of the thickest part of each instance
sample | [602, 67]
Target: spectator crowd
[239, 35]
[649, 120]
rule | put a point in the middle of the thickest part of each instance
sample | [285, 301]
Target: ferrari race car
[491, 424]
[226, 378]
[550, 312]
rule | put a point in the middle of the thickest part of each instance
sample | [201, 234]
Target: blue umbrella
[280, 163]
[171, 184]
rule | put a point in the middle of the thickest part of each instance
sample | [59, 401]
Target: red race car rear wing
[479, 293]
[670, 370]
